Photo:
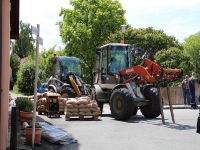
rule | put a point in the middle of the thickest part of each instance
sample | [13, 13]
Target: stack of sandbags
[82, 106]
[50, 94]
[41, 104]
[72, 107]
[62, 102]
[39, 95]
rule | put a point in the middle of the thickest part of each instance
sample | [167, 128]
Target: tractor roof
[68, 59]
[114, 44]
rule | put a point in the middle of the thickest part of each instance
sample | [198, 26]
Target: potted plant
[25, 107]
[38, 133]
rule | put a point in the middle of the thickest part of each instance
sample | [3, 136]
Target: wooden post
[170, 104]
[161, 106]
[35, 84]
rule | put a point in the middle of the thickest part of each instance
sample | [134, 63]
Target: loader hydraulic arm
[149, 72]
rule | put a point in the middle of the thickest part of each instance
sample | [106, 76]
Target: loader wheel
[94, 97]
[68, 93]
[121, 104]
[152, 110]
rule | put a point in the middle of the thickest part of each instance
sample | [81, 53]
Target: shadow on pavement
[158, 122]
[49, 146]
[106, 115]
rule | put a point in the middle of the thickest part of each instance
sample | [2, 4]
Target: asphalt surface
[137, 133]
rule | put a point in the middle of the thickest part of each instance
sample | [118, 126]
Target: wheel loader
[127, 87]
[66, 77]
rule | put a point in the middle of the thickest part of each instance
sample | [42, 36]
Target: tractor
[66, 77]
[127, 87]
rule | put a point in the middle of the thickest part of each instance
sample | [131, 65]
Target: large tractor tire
[94, 97]
[121, 104]
[68, 93]
[152, 110]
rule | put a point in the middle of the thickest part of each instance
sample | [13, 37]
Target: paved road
[137, 133]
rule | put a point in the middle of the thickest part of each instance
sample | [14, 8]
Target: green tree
[46, 64]
[26, 76]
[87, 25]
[192, 49]
[147, 39]
[14, 64]
[173, 58]
[24, 45]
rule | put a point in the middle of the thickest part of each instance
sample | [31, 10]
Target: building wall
[5, 61]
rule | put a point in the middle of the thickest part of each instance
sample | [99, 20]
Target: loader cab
[111, 58]
[63, 64]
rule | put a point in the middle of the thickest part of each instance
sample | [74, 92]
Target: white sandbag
[72, 110]
[71, 101]
[84, 110]
[69, 106]
[83, 101]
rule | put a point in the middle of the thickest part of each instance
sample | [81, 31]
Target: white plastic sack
[56, 135]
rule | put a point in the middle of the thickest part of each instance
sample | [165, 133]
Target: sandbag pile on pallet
[39, 95]
[82, 106]
[42, 101]
[62, 102]
[41, 105]
[50, 94]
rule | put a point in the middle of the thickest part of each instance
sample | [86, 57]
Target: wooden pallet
[41, 112]
[62, 112]
[81, 117]
[55, 114]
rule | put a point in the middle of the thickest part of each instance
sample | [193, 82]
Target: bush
[14, 64]
[26, 76]
[24, 104]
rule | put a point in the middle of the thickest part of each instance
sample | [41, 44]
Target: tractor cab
[66, 77]
[63, 65]
[111, 58]
[136, 86]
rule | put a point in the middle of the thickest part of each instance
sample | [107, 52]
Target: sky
[179, 18]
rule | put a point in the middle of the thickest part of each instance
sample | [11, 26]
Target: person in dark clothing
[114, 66]
[192, 82]
[186, 90]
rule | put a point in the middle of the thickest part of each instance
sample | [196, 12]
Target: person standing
[186, 90]
[192, 82]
